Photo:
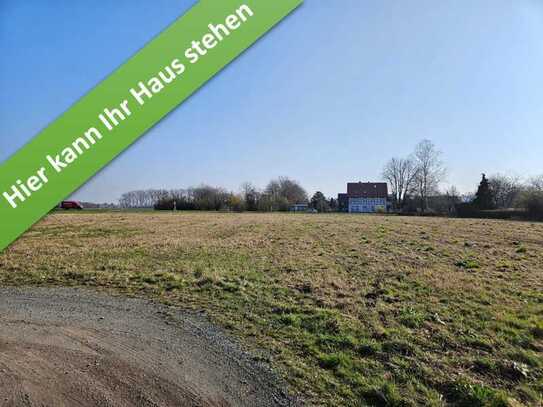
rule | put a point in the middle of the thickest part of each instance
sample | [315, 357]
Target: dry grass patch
[352, 310]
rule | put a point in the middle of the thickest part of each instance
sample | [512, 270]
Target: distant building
[364, 197]
[300, 207]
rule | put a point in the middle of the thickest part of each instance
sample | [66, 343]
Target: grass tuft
[468, 264]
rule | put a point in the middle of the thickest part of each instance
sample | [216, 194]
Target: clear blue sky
[327, 97]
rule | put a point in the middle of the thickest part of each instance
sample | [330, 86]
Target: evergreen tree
[484, 198]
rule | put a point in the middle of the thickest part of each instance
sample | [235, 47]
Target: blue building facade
[364, 197]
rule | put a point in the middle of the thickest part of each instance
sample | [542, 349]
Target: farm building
[364, 197]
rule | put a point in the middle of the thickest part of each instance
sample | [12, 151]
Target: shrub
[467, 210]
[235, 203]
[165, 205]
[533, 203]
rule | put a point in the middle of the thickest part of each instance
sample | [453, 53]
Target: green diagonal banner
[128, 103]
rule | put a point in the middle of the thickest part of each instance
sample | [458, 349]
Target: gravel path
[74, 347]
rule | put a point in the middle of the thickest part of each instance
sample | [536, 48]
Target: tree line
[415, 187]
[279, 195]
[506, 196]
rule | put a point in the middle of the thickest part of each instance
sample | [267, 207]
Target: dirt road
[71, 347]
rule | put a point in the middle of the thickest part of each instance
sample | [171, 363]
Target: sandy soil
[71, 347]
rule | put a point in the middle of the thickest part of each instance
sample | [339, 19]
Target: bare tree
[531, 198]
[128, 200]
[401, 174]
[292, 191]
[430, 171]
[210, 198]
[505, 190]
[283, 192]
[146, 198]
[279, 195]
[250, 196]
[453, 198]
[536, 183]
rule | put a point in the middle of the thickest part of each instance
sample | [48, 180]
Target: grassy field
[351, 310]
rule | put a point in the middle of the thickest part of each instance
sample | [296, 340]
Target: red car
[71, 205]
